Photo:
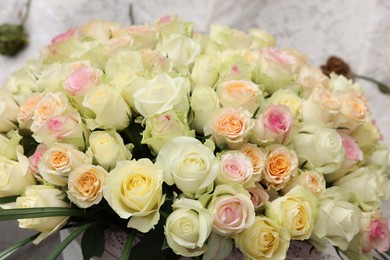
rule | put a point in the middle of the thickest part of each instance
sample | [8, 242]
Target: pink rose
[64, 36]
[34, 159]
[258, 195]
[351, 148]
[273, 125]
[81, 79]
[375, 232]
[234, 167]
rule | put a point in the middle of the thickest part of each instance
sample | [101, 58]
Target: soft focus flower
[133, 189]
[239, 93]
[9, 111]
[234, 167]
[36, 196]
[161, 128]
[273, 125]
[297, 211]
[264, 239]
[189, 164]
[280, 166]
[14, 176]
[188, 227]
[85, 185]
[374, 232]
[257, 157]
[107, 147]
[58, 161]
[231, 209]
[230, 126]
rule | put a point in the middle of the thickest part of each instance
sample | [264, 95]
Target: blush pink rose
[64, 36]
[258, 195]
[375, 235]
[273, 125]
[235, 167]
[34, 159]
[351, 148]
[81, 79]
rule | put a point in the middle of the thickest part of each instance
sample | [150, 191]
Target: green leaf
[255, 113]
[7, 252]
[92, 243]
[58, 250]
[338, 252]
[125, 254]
[23, 213]
[8, 199]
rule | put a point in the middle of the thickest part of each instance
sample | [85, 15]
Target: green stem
[125, 254]
[382, 86]
[8, 199]
[23, 213]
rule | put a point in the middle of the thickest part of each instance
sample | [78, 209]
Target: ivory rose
[257, 157]
[231, 209]
[280, 166]
[311, 180]
[188, 164]
[161, 94]
[36, 196]
[9, 111]
[188, 227]
[234, 167]
[239, 93]
[58, 161]
[133, 189]
[264, 239]
[85, 185]
[10, 145]
[230, 126]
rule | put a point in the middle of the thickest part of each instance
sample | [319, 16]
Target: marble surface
[356, 30]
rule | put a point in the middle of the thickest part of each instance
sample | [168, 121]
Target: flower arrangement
[198, 145]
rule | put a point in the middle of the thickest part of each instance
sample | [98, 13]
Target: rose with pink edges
[64, 36]
[81, 79]
[273, 125]
[235, 167]
[375, 232]
[34, 159]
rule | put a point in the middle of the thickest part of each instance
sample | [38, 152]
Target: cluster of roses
[263, 147]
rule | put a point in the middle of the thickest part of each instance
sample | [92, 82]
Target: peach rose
[26, 110]
[257, 157]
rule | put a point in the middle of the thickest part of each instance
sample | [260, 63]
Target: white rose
[58, 161]
[188, 164]
[107, 147]
[85, 185]
[109, 109]
[9, 145]
[204, 71]
[8, 111]
[14, 176]
[162, 94]
[188, 227]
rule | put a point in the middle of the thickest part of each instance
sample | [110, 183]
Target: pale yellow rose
[264, 239]
[280, 166]
[161, 94]
[204, 102]
[52, 77]
[15, 176]
[85, 185]
[106, 148]
[188, 164]
[9, 111]
[231, 209]
[257, 156]
[36, 196]
[230, 38]
[161, 128]
[188, 227]
[172, 24]
[144, 36]
[204, 72]
[105, 101]
[289, 98]
[261, 39]
[58, 161]
[239, 93]
[133, 189]
[297, 211]
[9, 145]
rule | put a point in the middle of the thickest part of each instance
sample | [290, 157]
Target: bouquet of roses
[198, 145]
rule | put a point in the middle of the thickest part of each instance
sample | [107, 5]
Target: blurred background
[358, 31]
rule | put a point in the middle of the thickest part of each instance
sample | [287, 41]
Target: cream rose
[297, 211]
[144, 36]
[9, 145]
[160, 129]
[320, 148]
[85, 185]
[133, 189]
[257, 156]
[14, 176]
[234, 167]
[188, 164]
[58, 161]
[204, 72]
[239, 93]
[106, 148]
[204, 102]
[9, 111]
[161, 94]
[231, 209]
[288, 98]
[280, 166]
[188, 227]
[261, 39]
[230, 126]
[105, 101]
[310, 78]
[264, 239]
[36, 196]
[311, 180]
[230, 38]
